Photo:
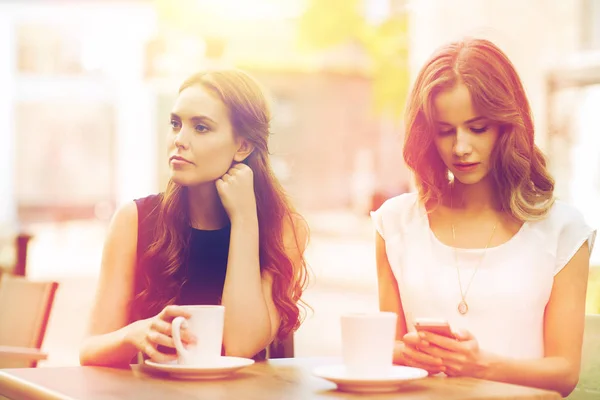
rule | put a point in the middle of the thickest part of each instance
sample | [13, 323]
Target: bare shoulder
[128, 212]
[121, 240]
[125, 220]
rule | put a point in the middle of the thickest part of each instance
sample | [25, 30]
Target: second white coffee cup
[206, 324]
[368, 343]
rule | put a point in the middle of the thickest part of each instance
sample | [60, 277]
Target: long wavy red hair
[525, 187]
[250, 117]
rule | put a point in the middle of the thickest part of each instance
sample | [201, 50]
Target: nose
[462, 143]
[181, 141]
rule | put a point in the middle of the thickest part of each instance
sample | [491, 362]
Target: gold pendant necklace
[463, 307]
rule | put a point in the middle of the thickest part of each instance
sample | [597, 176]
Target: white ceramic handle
[176, 326]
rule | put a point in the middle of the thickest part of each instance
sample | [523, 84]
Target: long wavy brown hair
[525, 187]
[250, 117]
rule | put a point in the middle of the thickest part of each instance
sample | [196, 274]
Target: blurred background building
[86, 89]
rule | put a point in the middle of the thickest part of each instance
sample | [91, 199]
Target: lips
[466, 166]
[179, 160]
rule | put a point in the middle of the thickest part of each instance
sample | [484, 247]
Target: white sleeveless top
[509, 293]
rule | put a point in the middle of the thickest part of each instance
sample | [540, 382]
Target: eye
[479, 129]
[175, 124]
[446, 132]
[201, 128]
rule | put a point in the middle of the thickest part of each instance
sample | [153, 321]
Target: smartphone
[437, 326]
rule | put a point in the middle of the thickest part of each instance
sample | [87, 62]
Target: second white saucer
[394, 380]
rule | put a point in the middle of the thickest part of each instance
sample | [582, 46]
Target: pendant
[463, 308]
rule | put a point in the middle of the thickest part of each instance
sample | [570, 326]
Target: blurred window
[591, 24]
[48, 50]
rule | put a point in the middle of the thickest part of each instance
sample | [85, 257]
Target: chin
[469, 179]
[184, 179]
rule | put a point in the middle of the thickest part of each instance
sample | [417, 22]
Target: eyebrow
[195, 119]
[469, 121]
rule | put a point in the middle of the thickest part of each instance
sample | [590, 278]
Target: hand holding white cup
[206, 324]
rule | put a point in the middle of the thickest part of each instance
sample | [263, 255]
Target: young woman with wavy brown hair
[483, 244]
[223, 232]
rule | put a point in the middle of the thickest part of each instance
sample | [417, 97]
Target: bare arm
[563, 334]
[112, 342]
[251, 318]
[106, 344]
[389, 294]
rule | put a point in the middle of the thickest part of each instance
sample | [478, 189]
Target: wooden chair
[13, 251]
[588, 387]
[282, 348]
[24, 311]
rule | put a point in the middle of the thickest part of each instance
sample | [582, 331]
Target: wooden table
[276, 379]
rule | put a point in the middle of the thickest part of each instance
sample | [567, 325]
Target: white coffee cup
[206, 324]
[368, 343]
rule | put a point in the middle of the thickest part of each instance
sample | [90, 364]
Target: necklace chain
[463, 307]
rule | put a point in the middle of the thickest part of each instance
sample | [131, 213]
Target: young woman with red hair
[223, 232]
[484, 244]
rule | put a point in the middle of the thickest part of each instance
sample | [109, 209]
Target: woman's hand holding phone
[458, 352]
[436, 326]
[413, 345]
[413, 356]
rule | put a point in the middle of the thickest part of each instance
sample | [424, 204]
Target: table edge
[16, 388]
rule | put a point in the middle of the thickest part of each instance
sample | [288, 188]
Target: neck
[475, 198]
[205, 208]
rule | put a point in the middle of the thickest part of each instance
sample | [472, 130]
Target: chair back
[282, 348]
[25, 307]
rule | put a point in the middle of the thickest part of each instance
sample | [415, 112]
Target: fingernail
[422, 335]
[424, 343]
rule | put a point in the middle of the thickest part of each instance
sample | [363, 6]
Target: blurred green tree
[327, 24]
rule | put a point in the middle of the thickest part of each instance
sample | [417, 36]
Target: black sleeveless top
[202, 276]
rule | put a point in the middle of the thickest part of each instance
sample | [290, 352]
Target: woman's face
[201, 144]
[464, 139]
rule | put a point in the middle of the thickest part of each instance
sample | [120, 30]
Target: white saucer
[224, 367]
[397, 377]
